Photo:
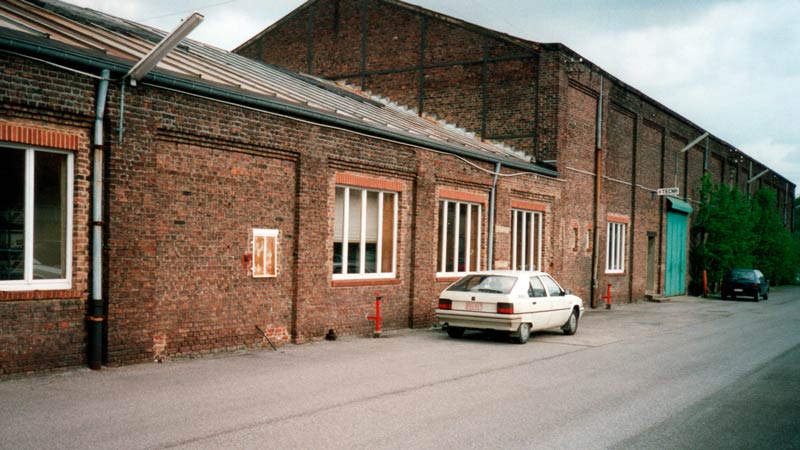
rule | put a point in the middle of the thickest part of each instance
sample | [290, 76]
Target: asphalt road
[690, 373]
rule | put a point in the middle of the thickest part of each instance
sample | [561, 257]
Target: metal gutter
[70, 55]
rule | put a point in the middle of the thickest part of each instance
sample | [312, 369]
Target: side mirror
[566, 292]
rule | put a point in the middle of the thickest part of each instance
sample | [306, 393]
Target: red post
[607, 297]
[377, 317]
[705, 284]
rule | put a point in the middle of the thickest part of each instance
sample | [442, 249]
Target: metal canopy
[679, 205]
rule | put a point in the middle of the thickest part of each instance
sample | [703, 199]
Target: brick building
[171, 211]
[611, 144]
[148, 214]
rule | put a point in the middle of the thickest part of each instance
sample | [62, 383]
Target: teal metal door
[675, 275]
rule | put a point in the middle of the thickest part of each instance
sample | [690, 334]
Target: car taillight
[505, 308]
[756, 285]
[445, 304]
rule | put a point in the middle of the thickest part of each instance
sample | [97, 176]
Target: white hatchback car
[514, 301]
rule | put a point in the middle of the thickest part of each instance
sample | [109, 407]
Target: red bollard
[377, 317]
[607, 297]
[705, 284]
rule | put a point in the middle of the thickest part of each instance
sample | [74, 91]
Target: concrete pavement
[625, 369]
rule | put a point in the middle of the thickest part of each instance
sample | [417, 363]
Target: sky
[731, 67]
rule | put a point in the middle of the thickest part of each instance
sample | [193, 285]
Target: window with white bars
[526, 239]
[35, 218]
[615, 247]
[459, 246]
[365, 233]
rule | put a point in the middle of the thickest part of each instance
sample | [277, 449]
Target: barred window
[459, 247]
[615, 247]
[526, 240]
[365, 233]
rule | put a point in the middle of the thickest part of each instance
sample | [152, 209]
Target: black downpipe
[598, 185]
[96, 313]
[492, 208]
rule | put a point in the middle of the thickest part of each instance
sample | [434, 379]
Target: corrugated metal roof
[114, 37]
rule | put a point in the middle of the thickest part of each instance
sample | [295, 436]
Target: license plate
[474, 307]
[738, 290]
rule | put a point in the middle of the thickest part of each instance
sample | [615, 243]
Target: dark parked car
[745, 283]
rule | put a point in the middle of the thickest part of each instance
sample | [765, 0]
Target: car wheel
[766, 296]
[572, 324]
[757, 296]
[724, 296]
[455, 332]
[523, 333]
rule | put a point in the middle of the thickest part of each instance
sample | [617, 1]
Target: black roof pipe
[34, 46]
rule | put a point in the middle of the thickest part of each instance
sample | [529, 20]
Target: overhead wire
[213, 5]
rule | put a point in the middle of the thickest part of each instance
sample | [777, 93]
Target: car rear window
[747, 275]
[495, 284]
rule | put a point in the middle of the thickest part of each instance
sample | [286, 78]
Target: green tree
[732, 230]
[797, 217]
[775, 251]
[722, 233]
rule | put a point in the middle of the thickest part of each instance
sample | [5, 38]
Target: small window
[575, 232]
[35, 219]
[588, 243]
[615, 247]
[265, 253]
[459, 247]
[365, 233]
[526, 239]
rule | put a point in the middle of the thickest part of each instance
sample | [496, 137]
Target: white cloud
[227, 29]
[785, 158]
[731, 69]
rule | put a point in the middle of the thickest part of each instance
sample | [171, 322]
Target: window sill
[364, 282]
[616, 274]
[41, 295]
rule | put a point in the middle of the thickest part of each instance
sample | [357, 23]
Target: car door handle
[533, 303]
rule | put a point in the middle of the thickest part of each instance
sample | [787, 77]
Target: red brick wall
[618, 188]
[396, 41]
[546, 93]
[185, 189]
[45, 329]
[576, 164]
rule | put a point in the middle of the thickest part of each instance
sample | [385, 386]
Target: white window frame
[379, 274]
[588, 242]
[28, 283]
[442, 258]
[268, 253]
[616, 247]
[531, 259]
